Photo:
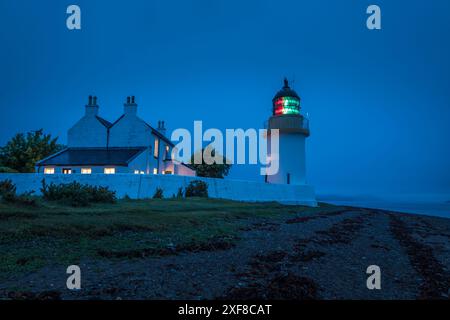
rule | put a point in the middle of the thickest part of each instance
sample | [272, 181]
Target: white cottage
[128, 145]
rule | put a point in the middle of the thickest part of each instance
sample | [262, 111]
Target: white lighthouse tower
[293, 130]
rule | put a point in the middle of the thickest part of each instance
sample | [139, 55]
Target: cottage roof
[92, 156]
[104, 122]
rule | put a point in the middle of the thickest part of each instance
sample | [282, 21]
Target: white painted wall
[142, 162]
[130, 131]
[144, 186]
[292, 159]
[184, 171]
[87, 132]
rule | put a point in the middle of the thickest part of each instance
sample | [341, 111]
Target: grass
[52, 233]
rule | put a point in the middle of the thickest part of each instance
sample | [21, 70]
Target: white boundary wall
[139, 186]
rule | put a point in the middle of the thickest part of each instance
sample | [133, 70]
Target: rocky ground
[318, 255]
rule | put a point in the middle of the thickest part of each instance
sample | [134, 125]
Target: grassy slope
[52, 233]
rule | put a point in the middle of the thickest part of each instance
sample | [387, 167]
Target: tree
[23, 151]
[215, 170]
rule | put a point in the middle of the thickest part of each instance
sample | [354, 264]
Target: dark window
[288, 178]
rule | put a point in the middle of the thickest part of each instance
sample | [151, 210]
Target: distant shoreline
[426, 209]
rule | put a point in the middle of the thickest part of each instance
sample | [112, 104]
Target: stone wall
[138, 186]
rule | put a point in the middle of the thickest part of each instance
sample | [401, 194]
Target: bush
[214, 170]
[7, 187]
[77, 194]
[102, 194]
[197, 188]
[8, 194]
[23, 199]
[158, 194]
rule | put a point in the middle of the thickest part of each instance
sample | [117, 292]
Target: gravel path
[294, 256]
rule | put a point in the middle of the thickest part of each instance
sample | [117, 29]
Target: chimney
[161, 127]
[92, 107]
[130, 106]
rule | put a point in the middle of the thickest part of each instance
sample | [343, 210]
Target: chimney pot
[161, 128]
[92, 107]
[130, 106]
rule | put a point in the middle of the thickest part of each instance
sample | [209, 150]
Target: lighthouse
[293, 130]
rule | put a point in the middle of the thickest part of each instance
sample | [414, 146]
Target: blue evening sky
[378, 100]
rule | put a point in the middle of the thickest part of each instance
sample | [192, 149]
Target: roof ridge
[103, 121]
[159, 134]
[118, 119]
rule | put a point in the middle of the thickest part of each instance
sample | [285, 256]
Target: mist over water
[427, 204]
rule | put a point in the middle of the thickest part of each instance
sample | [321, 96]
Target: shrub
[7, 187]
[77, 194]
[102, 194]
[214, 170]
[180, 193]
[8, 194]
[24, 199]
[158, 194]
[197, 188]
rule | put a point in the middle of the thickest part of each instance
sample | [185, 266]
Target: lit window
[168, 172]
[67, 171]
[110, 170]
[166, 156]
[155, 171]
[86, 170]
[49, 170]
[156, 148]
[136, 171]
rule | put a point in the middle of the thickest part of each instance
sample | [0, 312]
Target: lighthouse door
[288, 178]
